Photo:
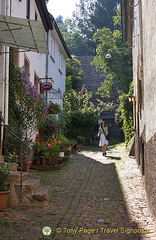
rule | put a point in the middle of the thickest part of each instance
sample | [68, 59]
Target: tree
[79, 43]
[103, 12]
[59, 20]
[117, 69]
[81, 115]
[89, 16]
[74, 74]
[117, 72]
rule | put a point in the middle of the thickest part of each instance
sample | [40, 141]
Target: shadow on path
[87, 202]
[114, 158]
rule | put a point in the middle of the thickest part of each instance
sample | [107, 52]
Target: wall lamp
[108, 55]
[131, 98]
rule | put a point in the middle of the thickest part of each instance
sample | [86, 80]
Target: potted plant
[80, 141]
[12, 159]
[47, 128]
[52, 149]
[5, 184]
[65, 144]
[54, 108]
[51, 152]
[26, 165]
[39, 147]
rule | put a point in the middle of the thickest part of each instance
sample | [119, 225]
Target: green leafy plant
[52, 149]
[5, 182]
[80, 139]
[80, 114]
[64, 142]
[47, 128]
[54, 108]
[126, 116]
[12, 157]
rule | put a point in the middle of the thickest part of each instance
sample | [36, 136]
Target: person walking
[102, 133]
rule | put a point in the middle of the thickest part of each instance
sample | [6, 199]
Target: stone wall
[144, 72]
[150, 173]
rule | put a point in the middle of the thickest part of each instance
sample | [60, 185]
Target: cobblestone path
[92, 198]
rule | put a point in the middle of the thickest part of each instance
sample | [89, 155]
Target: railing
[23, 151]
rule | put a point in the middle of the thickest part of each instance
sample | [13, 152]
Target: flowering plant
[63, 141]
[48, 149]
[30, 103]
[47, 128]
[39, 147]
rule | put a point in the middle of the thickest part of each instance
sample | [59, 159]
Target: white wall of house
[37, 61]
[57, 55]
[57, 65]
[38, 65]
[19, 9]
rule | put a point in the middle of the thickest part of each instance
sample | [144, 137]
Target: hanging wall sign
[46, 86]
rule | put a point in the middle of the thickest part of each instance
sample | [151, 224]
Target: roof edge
[42, 8]
[60, 36]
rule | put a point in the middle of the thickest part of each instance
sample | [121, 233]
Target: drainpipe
[6, 76]
[6, 79]
[46, 73]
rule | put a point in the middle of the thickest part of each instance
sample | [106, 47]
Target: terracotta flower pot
[69, 148]
[27, 167]
[3, 199]
[43, 161]
[79, 145]
[37, 160]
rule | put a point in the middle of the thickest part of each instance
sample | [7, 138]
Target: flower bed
[47, 149]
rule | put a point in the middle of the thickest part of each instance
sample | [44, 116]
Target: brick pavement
[93, 198]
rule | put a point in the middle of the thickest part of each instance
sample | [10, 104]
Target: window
[60, 62]
[28, 9]
[36, 81]
[52, 48]
[26, 65]
[35, 16]
[16, 56]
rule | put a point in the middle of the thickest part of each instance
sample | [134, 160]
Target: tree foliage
[74, 74]
[88, 17]
[117, 72]
[117, 69]
[81, 115]
[102, 13]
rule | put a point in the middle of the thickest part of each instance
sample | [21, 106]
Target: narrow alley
[92, 198]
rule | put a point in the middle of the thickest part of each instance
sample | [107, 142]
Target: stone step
[16, 176]
[1, 164]
[1, 158]
[42, 193]
[29, 186]
[13, 166]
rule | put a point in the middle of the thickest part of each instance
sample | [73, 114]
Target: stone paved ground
[93, 198]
